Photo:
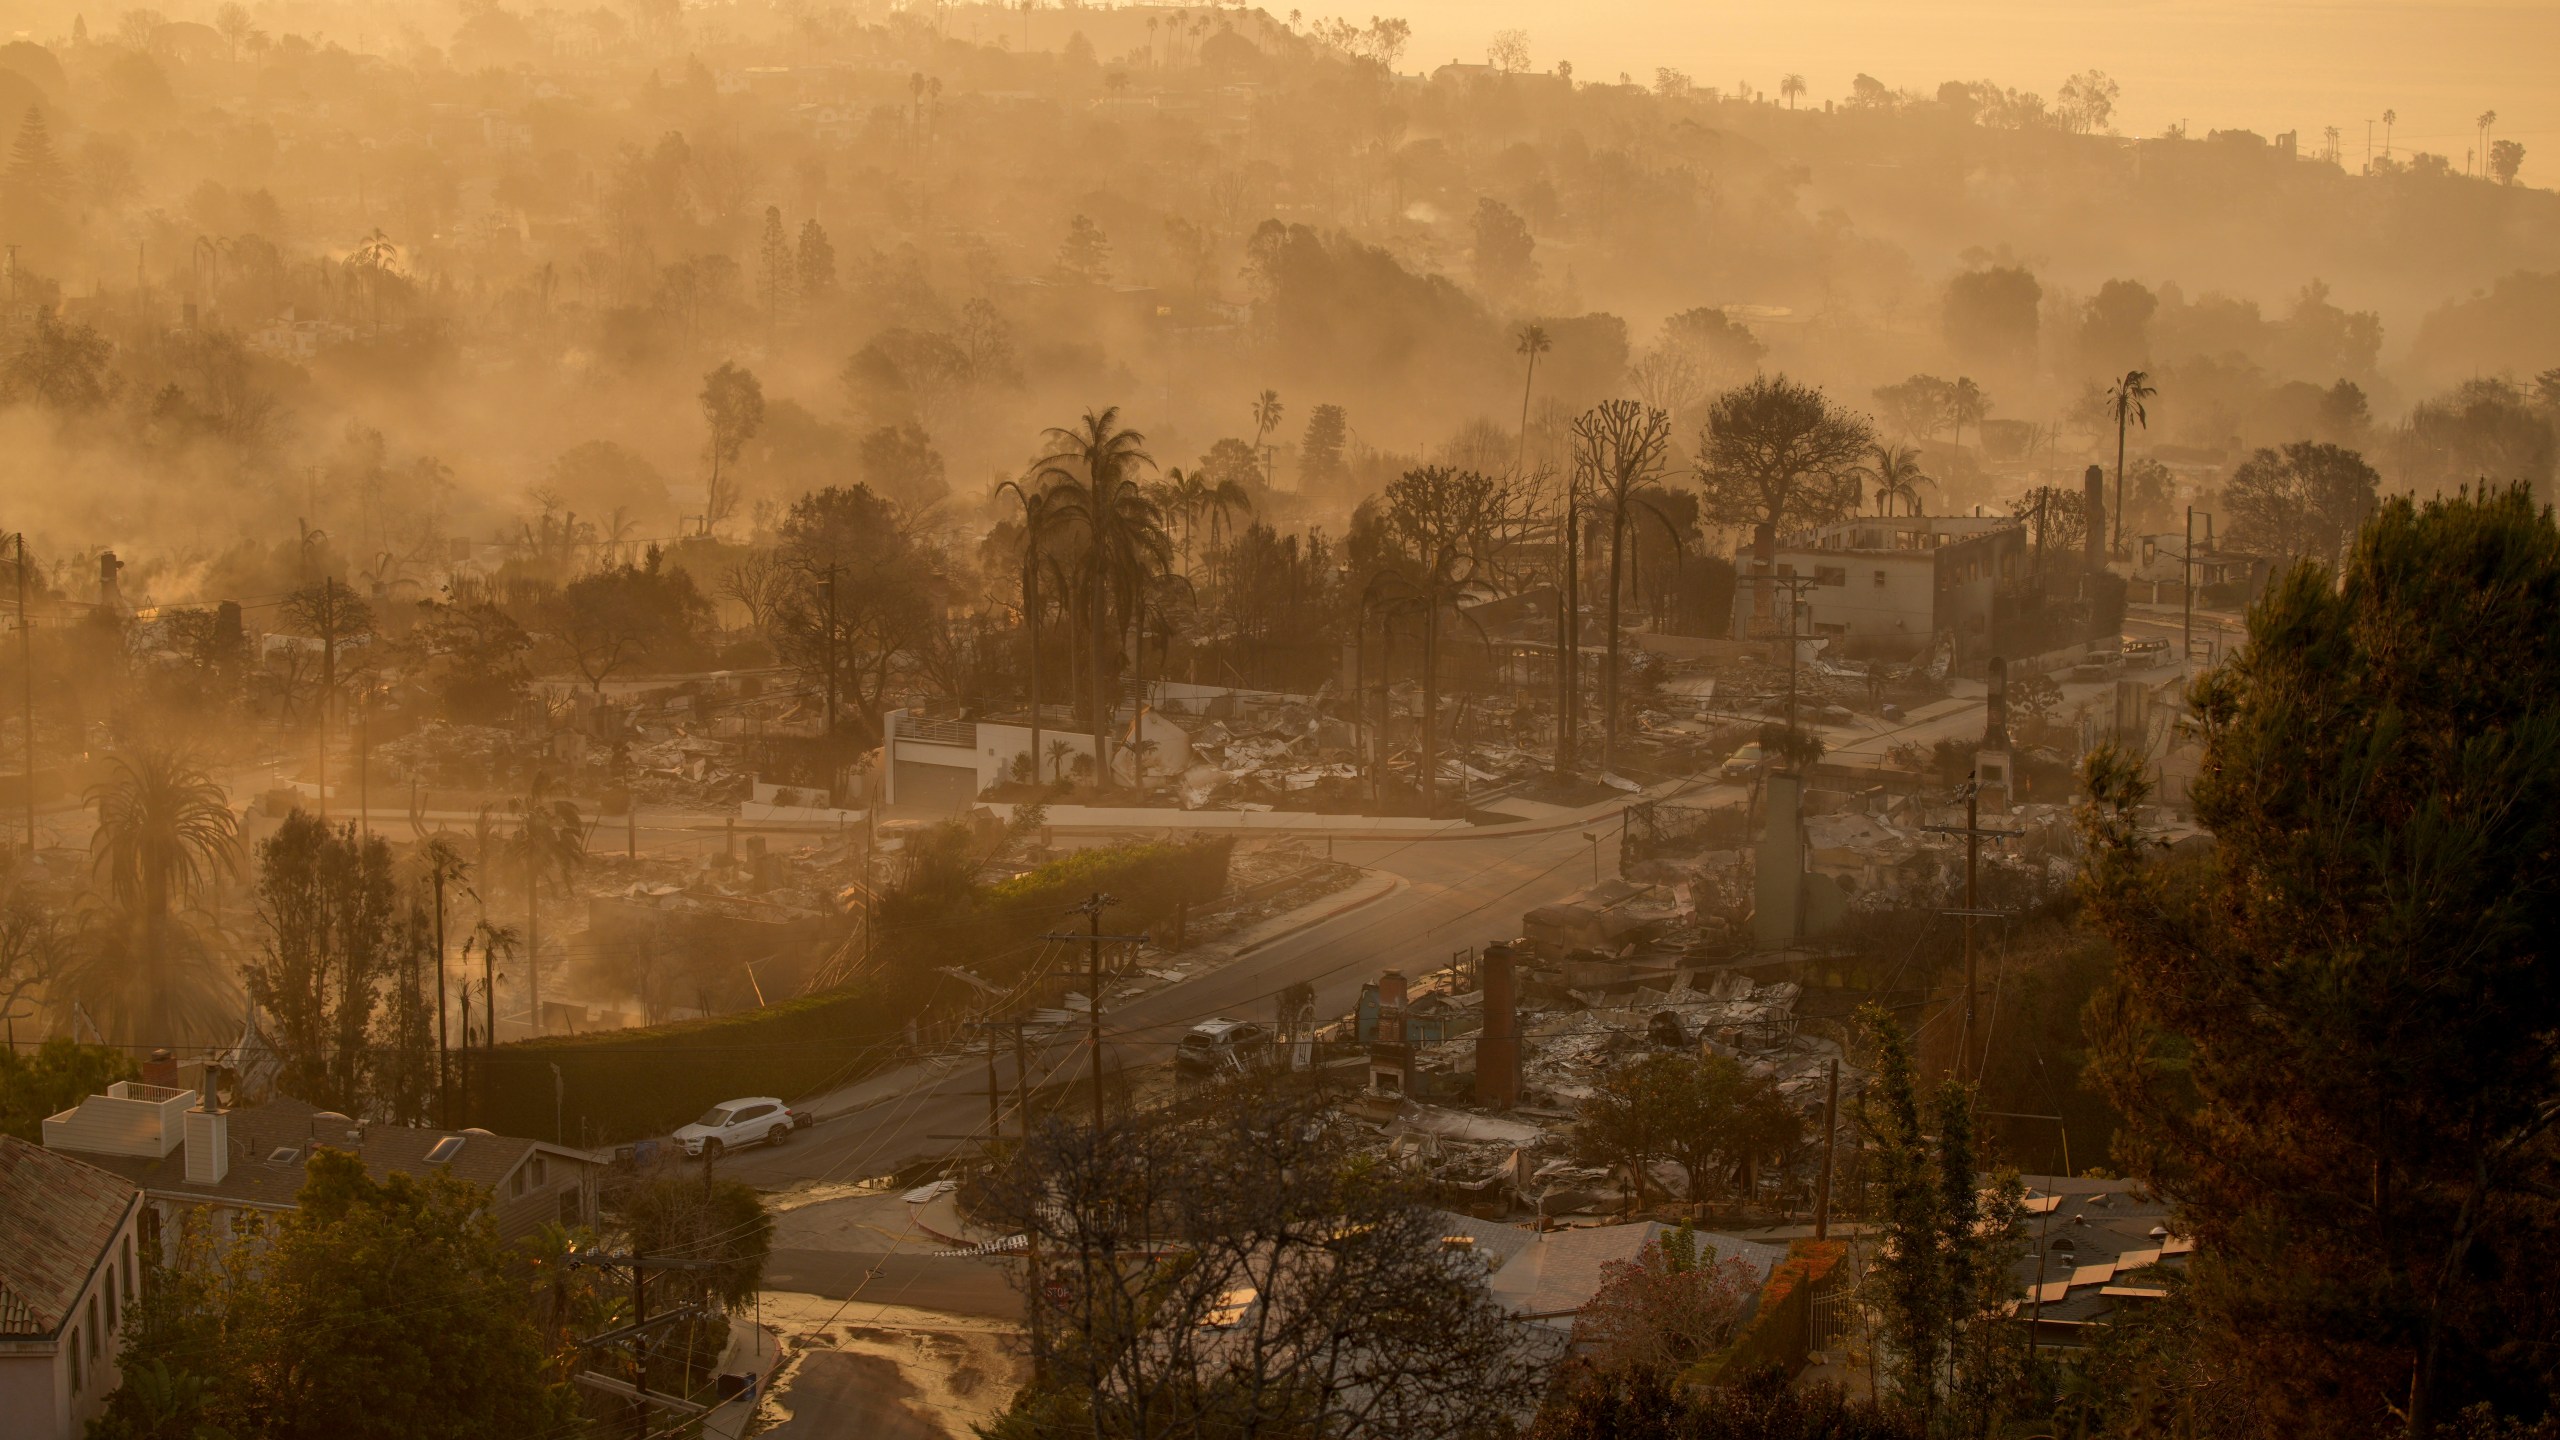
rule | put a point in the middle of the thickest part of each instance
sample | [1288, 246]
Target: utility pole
[1569, 642]
[26, 654]
[1093, 937]
[1830, 1140]
[444, 1087]
[2187, 589]
[827, 587]
[1021, 1081]
[636, 1334]
[1970, 1033]
[995, 1093]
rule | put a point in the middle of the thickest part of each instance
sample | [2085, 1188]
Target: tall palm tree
[165, 832]
[1533, 343]
[1184, 497]
[1227, 495]
[2389, 119]
[1895, 473]
[1092, 476]
[550, 837]
[1266, 418]
[2126, 399]
[1035, 528]
[1791, 87]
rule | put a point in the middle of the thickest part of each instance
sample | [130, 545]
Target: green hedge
[620, 1085]
[624, 1084]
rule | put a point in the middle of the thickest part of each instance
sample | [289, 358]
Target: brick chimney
[208, 1134]
[161, 1069]
[1498, 1043]
[1391, 991]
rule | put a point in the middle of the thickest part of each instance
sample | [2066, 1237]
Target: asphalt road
[1457, 893]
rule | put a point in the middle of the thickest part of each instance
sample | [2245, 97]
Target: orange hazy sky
[2267, 65]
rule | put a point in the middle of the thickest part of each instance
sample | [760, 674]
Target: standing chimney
[208, 1134]
[2093, 491]
[1391, 991]
[161, 1069]
[1498, 1043]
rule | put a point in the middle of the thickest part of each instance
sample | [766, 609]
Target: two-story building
[213, 1166]
[68, 1272]
[1891, 585]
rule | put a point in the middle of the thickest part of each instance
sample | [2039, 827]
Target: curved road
[1454, 893]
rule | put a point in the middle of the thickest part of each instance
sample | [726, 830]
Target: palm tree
[1184, 496]
[1035, 525]
[2488, 121]
[1091, 474]
[1533, 343]
[1966, 404]
[1895, 472]
[2126, 400]
[165, 831]
[1791, 87]
[1266, 418]
[2389, 119]
[1060, 752]
[1226, 495]
[550, 836]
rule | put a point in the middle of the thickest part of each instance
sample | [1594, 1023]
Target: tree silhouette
[1619, 447]
[1532, 342]
[2126, 399]
[1780, 454]
[1791, 86]
[732, 412]
[1091, 474]
[165, 832]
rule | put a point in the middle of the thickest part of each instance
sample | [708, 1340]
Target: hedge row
[617, 1085]
[624, 1084]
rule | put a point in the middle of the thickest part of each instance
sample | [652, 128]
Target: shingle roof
[58, 1216]
[261, 1131]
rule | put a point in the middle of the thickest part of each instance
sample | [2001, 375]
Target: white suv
[734, 1123]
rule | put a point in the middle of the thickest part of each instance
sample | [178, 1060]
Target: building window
[111, 1297]
[76, 1376]
[128, 1263]
[1879, 579]
[539, 1170]
[516, 1186]
[93, 1326]
[1830, 575]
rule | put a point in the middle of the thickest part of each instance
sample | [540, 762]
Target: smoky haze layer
[425, 279]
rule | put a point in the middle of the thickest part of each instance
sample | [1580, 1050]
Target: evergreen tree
[2333, 1036]
[777, 271]
[817, 263]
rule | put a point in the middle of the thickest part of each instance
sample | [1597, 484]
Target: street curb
[934, 1072]
[1395, 883]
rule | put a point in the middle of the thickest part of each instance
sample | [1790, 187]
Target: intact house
[214, 1166]
[68, 1272]
[1889, 585]
[940, 767]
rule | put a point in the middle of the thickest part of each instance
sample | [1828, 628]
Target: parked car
[1223, 1045]
[2145, 650]
[1746, 762]
[732, 1123]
